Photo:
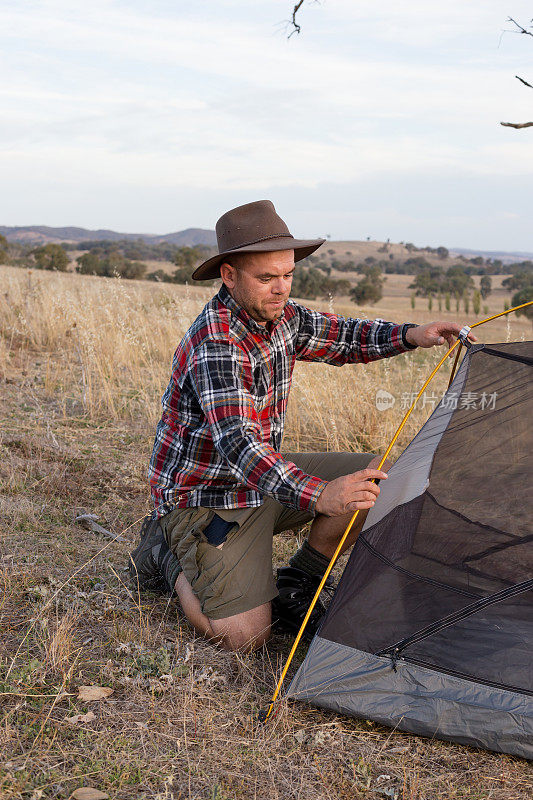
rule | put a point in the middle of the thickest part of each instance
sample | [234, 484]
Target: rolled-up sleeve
[220, 373]
[345, 340]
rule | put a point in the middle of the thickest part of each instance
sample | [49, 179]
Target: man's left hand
[435, 333]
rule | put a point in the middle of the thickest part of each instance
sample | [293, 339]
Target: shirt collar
[225, 297]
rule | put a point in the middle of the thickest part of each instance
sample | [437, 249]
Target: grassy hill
[43, 234]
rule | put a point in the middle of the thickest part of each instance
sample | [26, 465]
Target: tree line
[411, 265]
[312, 277]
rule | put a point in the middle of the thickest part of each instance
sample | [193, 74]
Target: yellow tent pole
[481, 322]
[265, 715]
[501, 314]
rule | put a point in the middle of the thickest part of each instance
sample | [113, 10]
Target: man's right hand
[349, 493]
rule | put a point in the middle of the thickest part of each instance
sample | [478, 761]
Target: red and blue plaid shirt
[218, 441]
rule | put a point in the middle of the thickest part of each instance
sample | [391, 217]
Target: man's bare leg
[192, 608]
[326, 532]
[246, 631]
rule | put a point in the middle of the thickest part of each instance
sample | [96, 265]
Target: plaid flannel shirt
[217, 443]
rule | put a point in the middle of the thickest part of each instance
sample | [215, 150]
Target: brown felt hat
[253, 228]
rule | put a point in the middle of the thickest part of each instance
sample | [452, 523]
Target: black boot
[153, 566]
[296, 590]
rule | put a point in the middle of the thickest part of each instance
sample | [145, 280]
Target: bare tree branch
[517, 124]
[520, 28]
[296, 27]
[523, 81]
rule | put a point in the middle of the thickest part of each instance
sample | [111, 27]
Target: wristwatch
[405, 328]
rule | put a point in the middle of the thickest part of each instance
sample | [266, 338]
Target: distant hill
[504, 256]
[42, 234]
[399, 251]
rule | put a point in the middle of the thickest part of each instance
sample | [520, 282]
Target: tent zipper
[395, 650]
[474, 678]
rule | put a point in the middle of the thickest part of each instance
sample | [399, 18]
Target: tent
[430, 630]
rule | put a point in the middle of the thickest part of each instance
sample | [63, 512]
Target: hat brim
[302, 248]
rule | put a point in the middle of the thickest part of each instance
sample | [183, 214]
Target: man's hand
[435, 333]
[350, 492]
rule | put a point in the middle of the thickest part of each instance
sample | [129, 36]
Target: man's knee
[246, 631]
[237, 641]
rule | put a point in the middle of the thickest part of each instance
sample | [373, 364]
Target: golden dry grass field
[83, 363]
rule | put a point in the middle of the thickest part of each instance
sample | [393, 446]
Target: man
[220, 486]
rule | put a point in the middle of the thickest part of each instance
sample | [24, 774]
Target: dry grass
[83, 362]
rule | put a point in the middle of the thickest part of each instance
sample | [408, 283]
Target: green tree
[51, 256]
[370, 288]
[427, 282]
[524, 296]
[186, 257]
[520, 280]
[485, 286]
[89, 264]
[186, 260]
[417, 264]
[312, 283]
[476, 302]
[3, 249]
[133, 270]
[114, 264]
[466, 301]
[447, 301]
[413, 300]
[430, 302]
[111, 266]
[159, 275]
[457, 280]
[366, 292]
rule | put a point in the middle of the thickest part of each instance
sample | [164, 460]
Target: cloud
[198, 97]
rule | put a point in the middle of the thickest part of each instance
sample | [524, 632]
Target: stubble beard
[261, 313]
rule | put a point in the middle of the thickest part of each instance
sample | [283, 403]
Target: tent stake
[264, 715]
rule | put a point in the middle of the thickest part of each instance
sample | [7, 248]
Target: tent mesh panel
[467, 536]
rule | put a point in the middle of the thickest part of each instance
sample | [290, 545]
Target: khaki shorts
[237, 576]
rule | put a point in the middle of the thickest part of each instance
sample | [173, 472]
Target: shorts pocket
[209, 562]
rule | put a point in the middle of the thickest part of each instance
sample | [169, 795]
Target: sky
[378, 119]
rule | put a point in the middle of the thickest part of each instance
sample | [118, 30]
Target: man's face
[260, 283]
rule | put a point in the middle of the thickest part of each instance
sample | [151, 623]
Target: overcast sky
[379, 119]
